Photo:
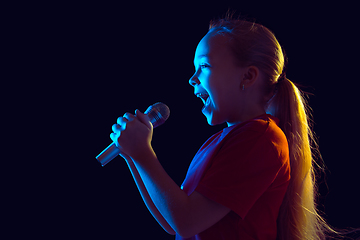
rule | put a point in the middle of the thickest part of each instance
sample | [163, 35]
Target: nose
[193, 81]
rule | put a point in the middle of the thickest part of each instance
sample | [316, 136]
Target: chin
[211, 123]
[212, 120]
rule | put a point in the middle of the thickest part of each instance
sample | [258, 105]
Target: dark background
[77, 67]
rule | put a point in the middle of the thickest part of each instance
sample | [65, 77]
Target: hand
[133, 134]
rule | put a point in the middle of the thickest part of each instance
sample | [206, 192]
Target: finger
[122, 121]
[129, 116]
[143, 118]
[116, 128]
[113, 137]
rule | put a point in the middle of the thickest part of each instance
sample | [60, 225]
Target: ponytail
[298, 217]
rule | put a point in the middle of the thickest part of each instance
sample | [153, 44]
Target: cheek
[219, 94]
[222, 85]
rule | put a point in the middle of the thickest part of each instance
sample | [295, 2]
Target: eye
[204, 65]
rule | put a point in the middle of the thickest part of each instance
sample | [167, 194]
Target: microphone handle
[108, 154]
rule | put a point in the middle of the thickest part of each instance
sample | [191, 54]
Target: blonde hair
[255, 45]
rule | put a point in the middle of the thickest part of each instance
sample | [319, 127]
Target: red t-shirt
[246, 168]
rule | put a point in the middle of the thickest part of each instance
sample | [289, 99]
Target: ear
[251, 74]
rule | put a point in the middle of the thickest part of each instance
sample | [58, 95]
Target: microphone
[157, 113]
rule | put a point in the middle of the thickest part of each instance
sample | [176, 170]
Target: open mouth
[204, 97]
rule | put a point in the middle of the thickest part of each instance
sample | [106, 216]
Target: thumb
[143, 118]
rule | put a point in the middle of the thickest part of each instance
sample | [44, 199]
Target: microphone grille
[158, 113]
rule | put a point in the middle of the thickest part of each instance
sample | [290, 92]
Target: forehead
[212, 46]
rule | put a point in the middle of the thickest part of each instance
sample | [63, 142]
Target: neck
[246, 117]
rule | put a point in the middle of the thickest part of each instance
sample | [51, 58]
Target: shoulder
[264, 125]
[262, 132]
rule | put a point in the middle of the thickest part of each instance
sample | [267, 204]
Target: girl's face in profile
[218, 80]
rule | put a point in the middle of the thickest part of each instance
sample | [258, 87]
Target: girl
[255, 178]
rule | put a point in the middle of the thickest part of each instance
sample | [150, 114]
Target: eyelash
[204, 65]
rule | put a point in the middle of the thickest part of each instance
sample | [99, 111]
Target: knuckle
[128, 116]
[116, 127]
[119, 120]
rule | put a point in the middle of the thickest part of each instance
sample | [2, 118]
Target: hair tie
[282, 77]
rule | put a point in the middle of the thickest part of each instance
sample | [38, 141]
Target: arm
[145, 196]
[187, 215]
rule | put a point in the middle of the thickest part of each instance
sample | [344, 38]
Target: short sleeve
[242, 170]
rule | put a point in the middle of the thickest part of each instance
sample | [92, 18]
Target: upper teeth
[202, 95]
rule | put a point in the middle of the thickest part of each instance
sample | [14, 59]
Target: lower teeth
[207, 101]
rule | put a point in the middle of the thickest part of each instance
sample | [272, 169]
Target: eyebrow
[201, 56]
